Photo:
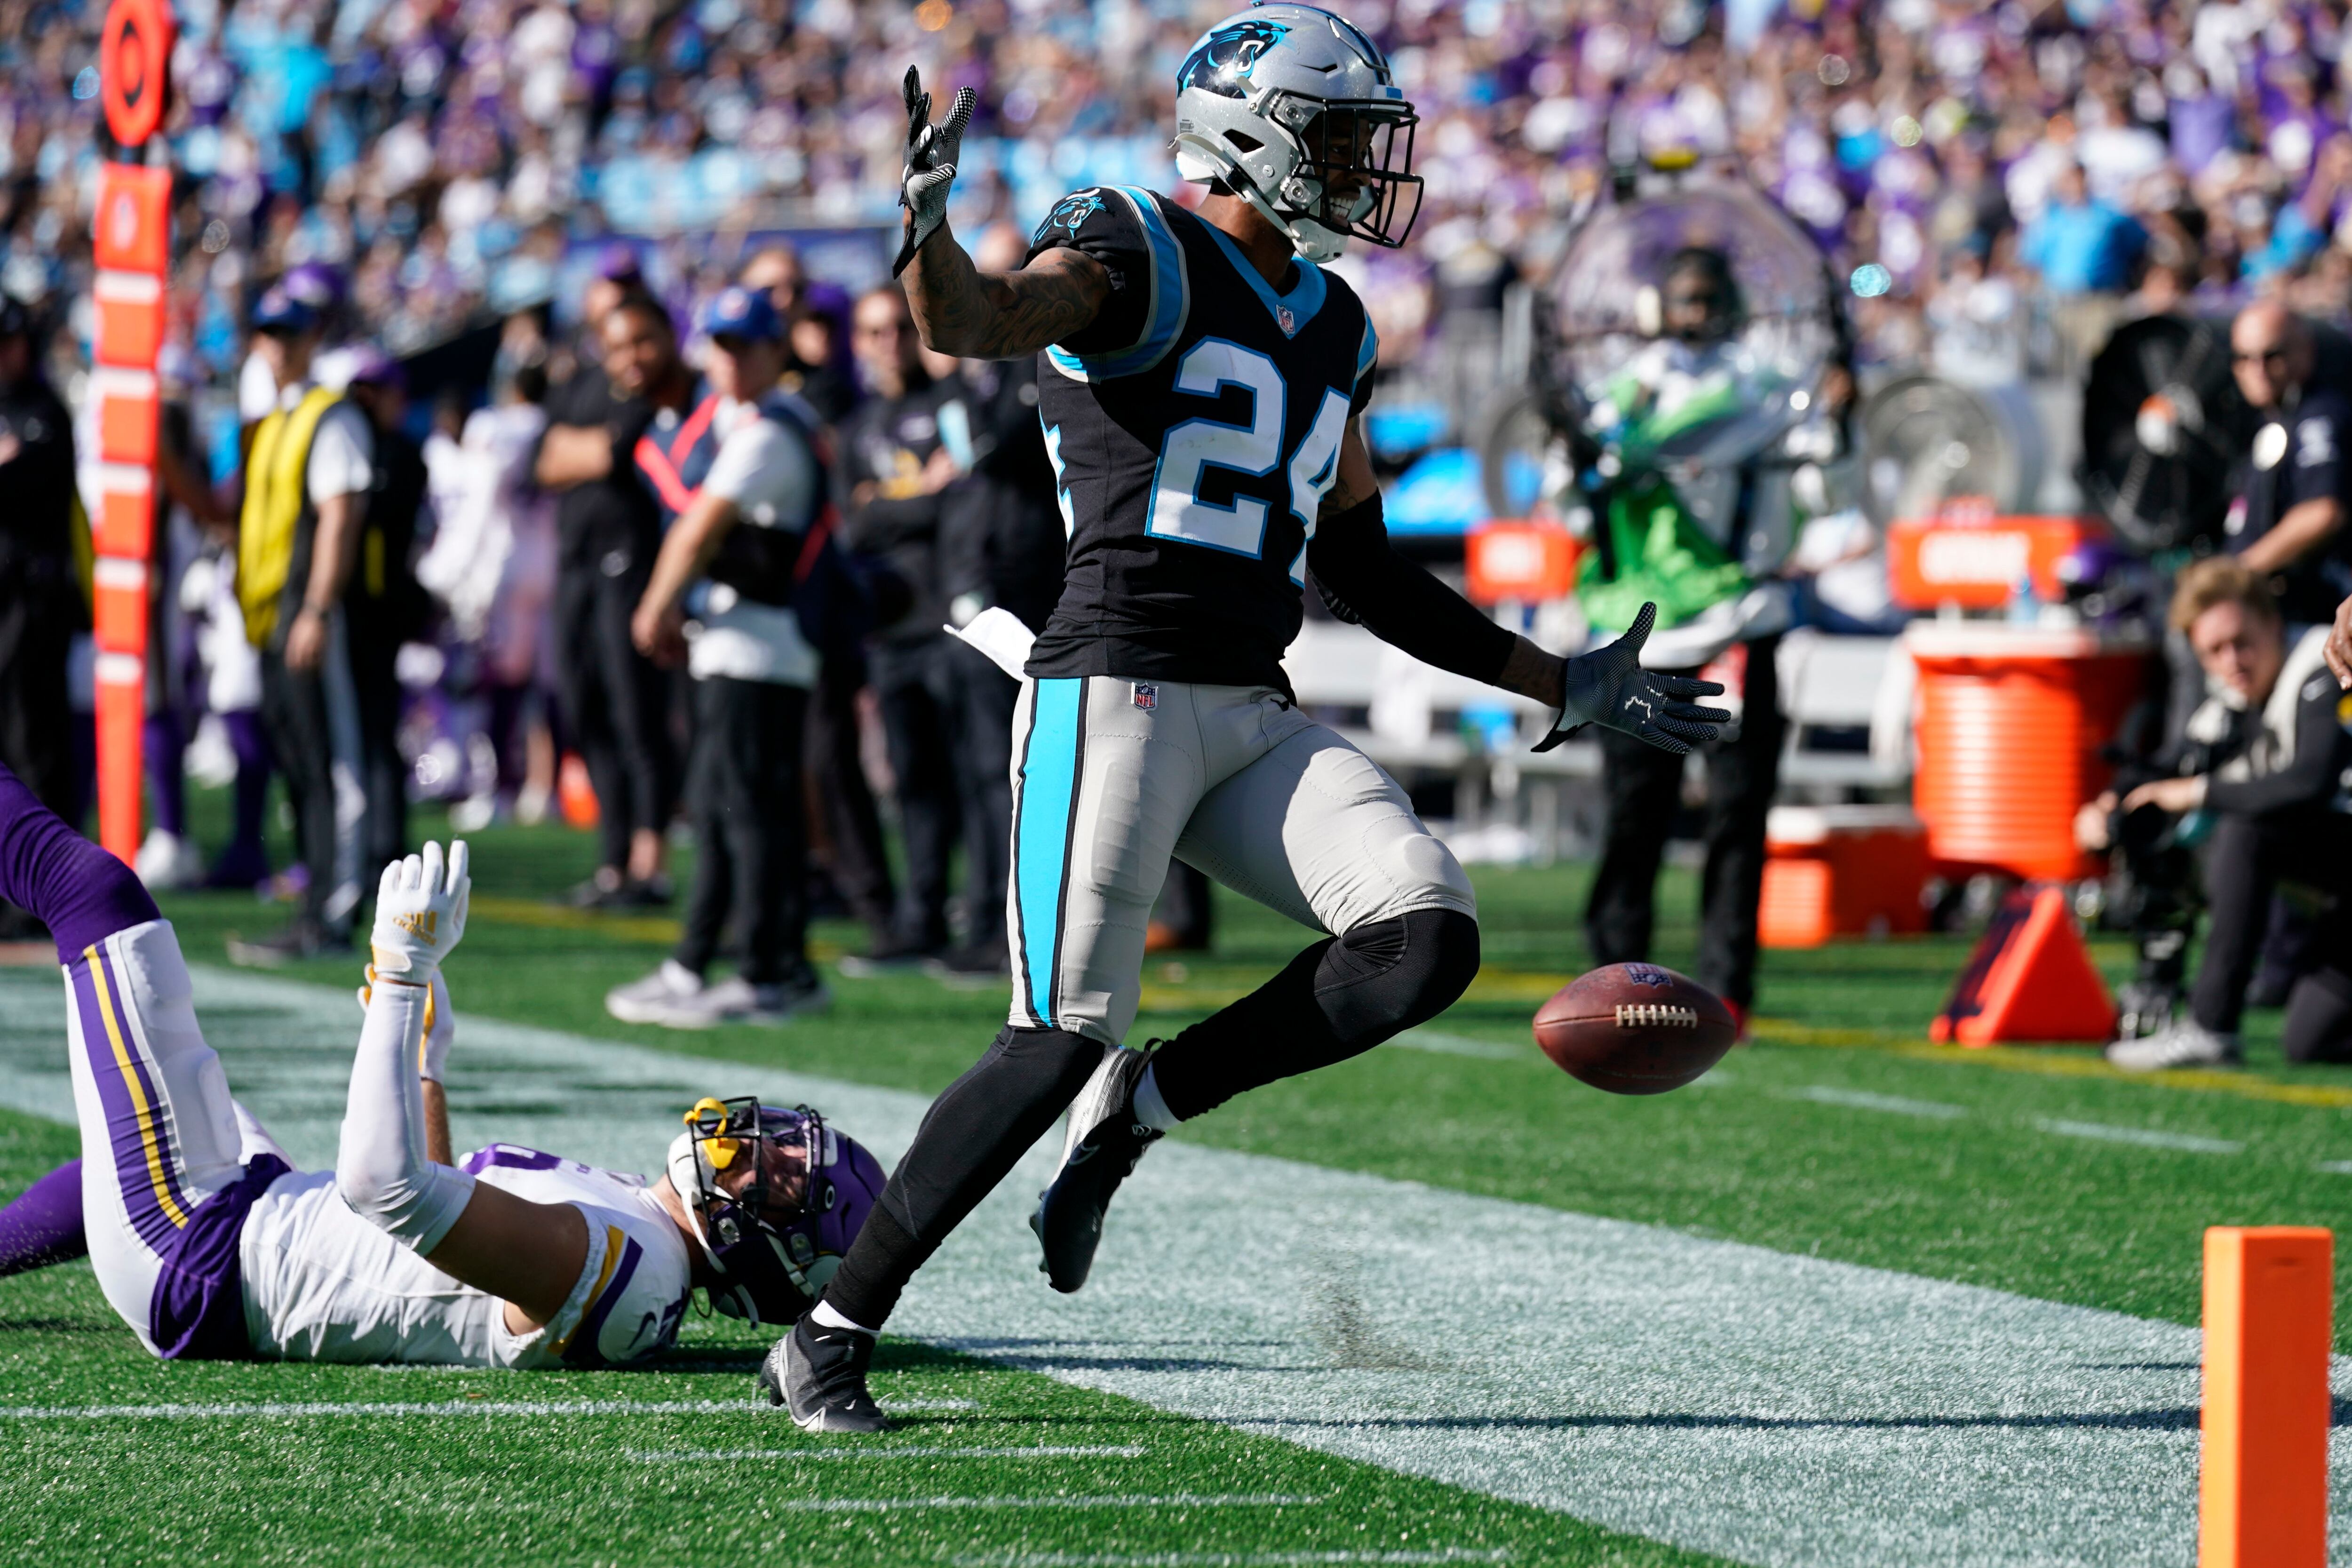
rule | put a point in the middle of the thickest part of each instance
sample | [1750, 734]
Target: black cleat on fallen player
[1104, 1142]
[819, 1375]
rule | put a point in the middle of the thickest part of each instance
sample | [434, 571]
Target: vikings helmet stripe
[1171, 301]
[1041, 836]
[136, 1117]
[1305, 296]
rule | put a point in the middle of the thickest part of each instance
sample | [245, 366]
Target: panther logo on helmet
[1221, 62]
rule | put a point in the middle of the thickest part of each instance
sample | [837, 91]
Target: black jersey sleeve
[1123, 230]
[2320, 746]
[1353, 564]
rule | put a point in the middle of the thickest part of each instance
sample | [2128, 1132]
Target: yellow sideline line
[661, 929]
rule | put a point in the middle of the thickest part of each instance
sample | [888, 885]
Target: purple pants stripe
[585, 1351]
[144, 1162]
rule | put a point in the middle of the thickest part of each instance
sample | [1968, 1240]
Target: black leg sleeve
[972, 1135]
[2239, 880]
[1339, 998]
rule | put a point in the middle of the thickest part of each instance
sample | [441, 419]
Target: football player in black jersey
[1200, 386]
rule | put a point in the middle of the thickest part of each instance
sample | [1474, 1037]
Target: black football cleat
[818, 1374]
[1106, 1139]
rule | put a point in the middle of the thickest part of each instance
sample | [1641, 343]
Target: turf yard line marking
[1775, 1409]
[1437, 1043]
[2145, 1137]
[1050, 1451]
[1169, 1499]
[1223, 1559]
[2334, 1167]
[1862, 1099]
[532, 1407]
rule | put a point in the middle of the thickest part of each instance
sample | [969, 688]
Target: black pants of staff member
[294, 711]
[750, 843]
[384, 776]
[983, 756]
[916, 685]
[1643, 787]
[615, 700]
[36, 632]
[2246, 857]
[842, 816]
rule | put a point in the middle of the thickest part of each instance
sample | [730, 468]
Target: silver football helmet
[1297, 113]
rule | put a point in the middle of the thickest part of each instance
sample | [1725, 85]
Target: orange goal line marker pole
[2269, 1296]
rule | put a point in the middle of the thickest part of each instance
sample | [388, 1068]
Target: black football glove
[1611, 687]
[930, 168]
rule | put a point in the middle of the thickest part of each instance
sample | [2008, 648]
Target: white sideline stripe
[1033, 1451]
[1114, 1499]
[2145, 1137]
[1774, 1409]
[1221, 1559]
[1439, 1043]
[1862, 1099]
[292, 1410]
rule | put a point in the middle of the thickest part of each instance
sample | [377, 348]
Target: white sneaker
[736, 1000]
[649, 1001]
[168, 860]
[2183, 1043]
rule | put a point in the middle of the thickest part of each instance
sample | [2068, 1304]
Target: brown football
[1634, 1028]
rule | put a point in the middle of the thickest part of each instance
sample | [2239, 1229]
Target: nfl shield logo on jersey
[1289, 322]
[1146, 697]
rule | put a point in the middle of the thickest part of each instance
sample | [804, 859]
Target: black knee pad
[1389, 975]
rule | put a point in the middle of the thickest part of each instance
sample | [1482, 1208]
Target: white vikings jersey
[323, 1284]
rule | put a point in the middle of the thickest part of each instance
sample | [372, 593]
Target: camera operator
[2261, 779]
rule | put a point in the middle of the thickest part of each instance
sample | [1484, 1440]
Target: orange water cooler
[1841, 870]
[2010, 721]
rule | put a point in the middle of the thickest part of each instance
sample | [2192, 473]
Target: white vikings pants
[159, 1132]
[1111, 777]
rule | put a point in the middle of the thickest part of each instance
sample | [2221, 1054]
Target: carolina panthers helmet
[775, 1198]
[1297, 111]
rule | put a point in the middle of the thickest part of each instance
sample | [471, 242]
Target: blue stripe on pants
[1049, 789]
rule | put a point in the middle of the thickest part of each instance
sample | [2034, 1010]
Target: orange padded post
[2269, 1297]
[2029, 979]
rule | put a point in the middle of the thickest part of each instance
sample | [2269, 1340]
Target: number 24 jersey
[1194, 428]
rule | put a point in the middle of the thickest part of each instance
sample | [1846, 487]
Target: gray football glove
[1611, 687]
[930, 168]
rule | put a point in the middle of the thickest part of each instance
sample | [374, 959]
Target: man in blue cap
[309, 467]
[744, 565]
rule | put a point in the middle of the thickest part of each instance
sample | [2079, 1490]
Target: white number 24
[1253, 450]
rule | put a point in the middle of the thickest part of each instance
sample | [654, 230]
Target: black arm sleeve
[2311, 778]
[1354, 564]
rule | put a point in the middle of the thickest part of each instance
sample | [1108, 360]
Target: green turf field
[1840, 1134]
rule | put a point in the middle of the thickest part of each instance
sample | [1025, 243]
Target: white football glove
[1610, 689]
[420, 913]
[440, 1025]
[930, 168]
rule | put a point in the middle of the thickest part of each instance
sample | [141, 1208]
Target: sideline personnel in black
[307, 471]
[38, 598]
[2270, 747]
[894, 463]
[385, 607]
[2287, 522]
[607, 529]
[1000, 544]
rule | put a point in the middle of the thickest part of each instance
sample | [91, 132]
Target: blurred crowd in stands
[446, 157]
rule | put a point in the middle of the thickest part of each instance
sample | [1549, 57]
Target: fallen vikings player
[1200, 388]
[210, 1246]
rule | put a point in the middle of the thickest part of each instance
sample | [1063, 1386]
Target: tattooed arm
[962, 310]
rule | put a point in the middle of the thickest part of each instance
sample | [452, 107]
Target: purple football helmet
[776, 1197]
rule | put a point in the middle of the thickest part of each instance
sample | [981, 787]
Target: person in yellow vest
[308, 469]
